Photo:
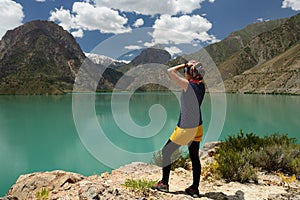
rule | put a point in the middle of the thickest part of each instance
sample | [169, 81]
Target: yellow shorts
[183, 136]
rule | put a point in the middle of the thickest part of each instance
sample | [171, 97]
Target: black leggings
[167, 152]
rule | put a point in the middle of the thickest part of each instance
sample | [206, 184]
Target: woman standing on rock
[189, 127]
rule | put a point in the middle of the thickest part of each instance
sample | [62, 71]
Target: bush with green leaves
[179, 159]
[140, 187]
[238, 156]
[236, 166]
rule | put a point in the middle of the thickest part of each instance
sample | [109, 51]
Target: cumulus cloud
[11, 15]
[180, 30]
[66, 20]
[110, 17]
[133, 47]
[85, 16]
[153, 7]
[293, 4]
[260, 19]
[40, 0]
[139, 22]
[78, 33]
[173, 50]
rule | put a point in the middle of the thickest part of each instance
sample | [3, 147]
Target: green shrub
[235, 166]
[239, 155]
[275, 157]
[179, 159]
[279, 139]
[43, 194]
[140, 187]
[139, 184]
[294, 166]
[241, 141]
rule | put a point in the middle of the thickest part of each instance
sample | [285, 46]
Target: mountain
[147, 70]
[251, 49]
[105, 60]
[147, 56]
[38, 57]
[262, 48]
[151, 55]
[279, 75]
[239, 39]
[272, 56]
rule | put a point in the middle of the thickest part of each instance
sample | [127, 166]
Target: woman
[189, 127]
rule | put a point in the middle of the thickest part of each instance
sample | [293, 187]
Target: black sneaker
[193, 192]
[161, 187]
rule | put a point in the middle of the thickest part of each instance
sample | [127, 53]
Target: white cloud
[212, 1]
[40, 0]
[85, 16]
[11, 15]
[67, 21]
[153, 7]
[183, 29]
[108, 17]
[133, 47]
[293, 4]
[78, 33]
[139, 22]
[260, 19]
[173, 50]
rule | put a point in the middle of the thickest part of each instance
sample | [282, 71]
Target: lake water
[39, 133]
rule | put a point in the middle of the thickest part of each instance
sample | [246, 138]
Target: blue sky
[135, 24]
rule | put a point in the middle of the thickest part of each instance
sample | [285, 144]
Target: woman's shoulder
[197, 86]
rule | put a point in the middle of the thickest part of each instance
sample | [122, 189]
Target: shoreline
[68, 185]
[162, 91]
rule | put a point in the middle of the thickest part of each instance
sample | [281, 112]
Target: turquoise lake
[45, 133]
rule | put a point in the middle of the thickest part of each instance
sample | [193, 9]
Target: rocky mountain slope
[254, 47]
[38, 57]
[262, 48]
[280, 75]
[237, 40]
[151, 55]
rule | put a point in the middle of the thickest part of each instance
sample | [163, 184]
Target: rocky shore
[63, 185]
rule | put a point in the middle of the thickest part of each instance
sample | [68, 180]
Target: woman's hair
[197, 71]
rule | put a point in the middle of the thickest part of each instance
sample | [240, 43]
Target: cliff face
[38, 57]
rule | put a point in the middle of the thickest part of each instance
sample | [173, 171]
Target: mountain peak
[38, 57]
[152, 55]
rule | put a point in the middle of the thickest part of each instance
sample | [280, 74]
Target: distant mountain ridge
[40, 57]
[105, 60]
